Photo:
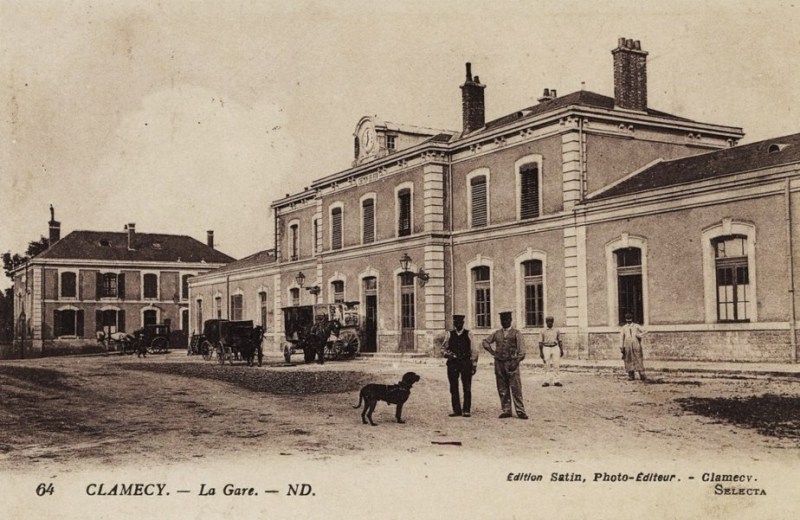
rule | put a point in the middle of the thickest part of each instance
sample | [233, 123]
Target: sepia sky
[187, 116]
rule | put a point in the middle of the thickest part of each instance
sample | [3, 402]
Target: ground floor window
[68, 322]
[483, 297]
[150, 317]
[629, 284]
[733, 278]
[237, 303]
[534, 293]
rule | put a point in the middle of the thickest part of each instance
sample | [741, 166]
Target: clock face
[368, 139]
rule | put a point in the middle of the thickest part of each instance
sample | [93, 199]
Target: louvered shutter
[529, 191]
[121, 286]
[99, 285]
[56, 324]
[404, 226]
[79, 323]
[121, 321]
[98, 320]
[336, 232]
[479, 209]
[369, 221]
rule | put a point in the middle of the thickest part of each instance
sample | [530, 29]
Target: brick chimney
[210, 239]
[472, 107]
[131, 228]
[630, 75]
[55, 227]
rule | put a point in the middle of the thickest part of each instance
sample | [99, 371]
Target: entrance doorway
[370, 315]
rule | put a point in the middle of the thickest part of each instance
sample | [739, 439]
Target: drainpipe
[450, 230]
[581, 159]
[790, 262]
[228, 294]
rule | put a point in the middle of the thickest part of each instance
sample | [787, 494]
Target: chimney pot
[131, 227]
[55, 228]
[553, 93]
[469, 71]
[210, 238]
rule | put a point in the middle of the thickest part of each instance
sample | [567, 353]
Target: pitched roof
[149, 247]
[718, 163]
[581, 98]
[256, 259]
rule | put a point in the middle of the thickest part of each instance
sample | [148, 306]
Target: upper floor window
[150, 283]
[732, 277]
[482, 302]
[315, 238]
[294, 241]
[185, 286]
[237, 303]
[69, 285]
[478, 200]
[368, 221]
[337, 288]
[110, 285]
[404, 212]
[336, 227]
[528, 187]
[533, 281]
[390, 143]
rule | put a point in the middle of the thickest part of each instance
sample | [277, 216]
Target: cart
[154, 338]
[334, 326]
[230, 341]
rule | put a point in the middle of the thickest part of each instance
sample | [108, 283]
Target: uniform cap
[458, 316]
[505, 314]
[549, 318]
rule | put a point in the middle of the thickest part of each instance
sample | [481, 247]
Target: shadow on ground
[769, 414]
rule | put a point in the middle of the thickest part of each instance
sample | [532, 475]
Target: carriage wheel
[206, 349]
[158, 344]
[349, 345]
[331, 352]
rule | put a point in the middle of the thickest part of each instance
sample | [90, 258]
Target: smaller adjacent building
[92, 281]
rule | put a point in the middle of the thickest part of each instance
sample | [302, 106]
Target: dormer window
[104, 242]
[390, 143]
[775, 148]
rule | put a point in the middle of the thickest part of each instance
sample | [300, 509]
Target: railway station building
[583, 207]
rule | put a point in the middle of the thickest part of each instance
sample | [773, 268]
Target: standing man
[509, 351]
[631, 347]
[551, 351]
[462, 361]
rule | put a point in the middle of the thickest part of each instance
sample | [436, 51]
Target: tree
[7, 315]
[11, 262]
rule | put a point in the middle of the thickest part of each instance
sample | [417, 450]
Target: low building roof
[148, 247]
[260, 258]
[710, 165]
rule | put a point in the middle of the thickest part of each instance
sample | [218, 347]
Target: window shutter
[56, 324]
[369, 221]
[404, 226]
[529, 191]
[98, 320]
[479, 212]
[99, 285]
[336, 238]
[121, 321]
[79, 324]
[121, 286]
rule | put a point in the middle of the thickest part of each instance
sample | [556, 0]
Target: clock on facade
[368, 139]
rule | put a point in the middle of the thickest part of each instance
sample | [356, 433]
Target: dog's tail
[360, 399]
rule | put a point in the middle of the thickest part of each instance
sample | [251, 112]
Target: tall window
[733, 278]
[109, 320]
[368, 221]
[315, 238]
[483, 298]
[236, 306]
[150, 317]
[407, 301]
[110, 285]
[262, 305]
[67, 323]
[478, 199]
[338, 291]
[295, 293]
[336, 228]
[199, 315]
[294, 238]
[218, 306]
[150, 282]
[69, 286]
[529, 191]
[629, 283]
[185, 286]
[404, 212]
[534, 293]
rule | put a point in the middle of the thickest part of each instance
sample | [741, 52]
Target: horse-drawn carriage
[228, 340]
[325, 331]
[153, 338]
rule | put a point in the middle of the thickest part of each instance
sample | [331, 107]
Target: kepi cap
[505, 314]
[458, 316]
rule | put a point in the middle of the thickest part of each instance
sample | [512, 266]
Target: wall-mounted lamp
[301, 279]
[423, 277]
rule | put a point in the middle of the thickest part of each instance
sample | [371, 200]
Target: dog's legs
[372, 404]
[364, 413]
[399, 413]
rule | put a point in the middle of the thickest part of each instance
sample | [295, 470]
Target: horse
[317, 337]
[119, 339]
[251, 346]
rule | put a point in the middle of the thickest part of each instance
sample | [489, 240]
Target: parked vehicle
[230, 340]
[330, 327]
[153, 338]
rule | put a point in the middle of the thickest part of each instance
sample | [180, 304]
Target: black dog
[392, 394]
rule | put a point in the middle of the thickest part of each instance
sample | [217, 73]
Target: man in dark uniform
[509, 351]
[462, 360]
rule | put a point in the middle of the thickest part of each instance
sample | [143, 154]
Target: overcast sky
[187, 116]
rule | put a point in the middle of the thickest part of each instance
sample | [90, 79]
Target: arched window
[295, 293]
[533, 294]
[368, 221]
[337, 288]
[237, 306]
[630, 294]
[732, 277]
[263, 309]
[529, 180]
[478, 197]
[337, 220]
[482, 302]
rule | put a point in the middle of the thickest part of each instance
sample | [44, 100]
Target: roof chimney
[131, 236]
[210, 239]
[55, 227]
[630, 75]
[547, 95]
[472, 107]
